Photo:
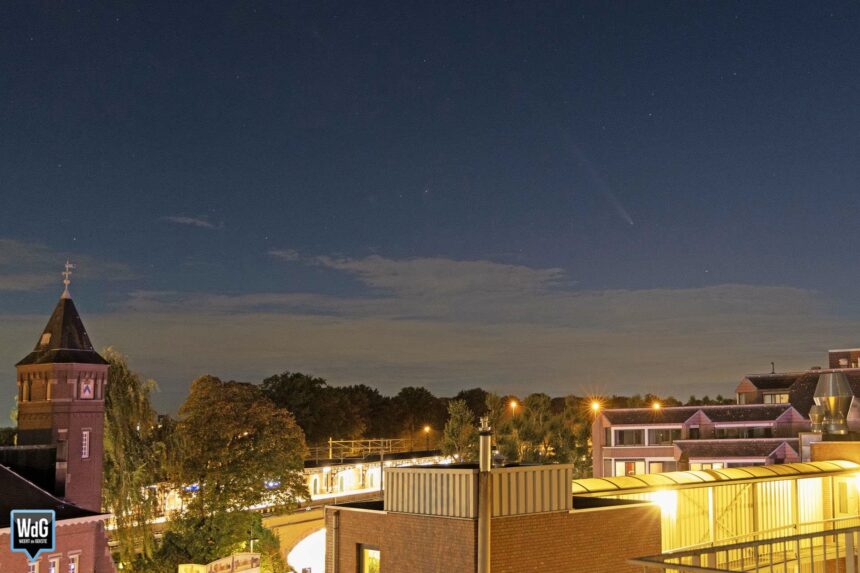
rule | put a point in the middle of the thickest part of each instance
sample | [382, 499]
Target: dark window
[694, 433]
[744, 433]
[663, 437]
[607, 436]
[629, 437]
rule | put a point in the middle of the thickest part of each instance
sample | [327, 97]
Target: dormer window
[781, 398]
[45, 340]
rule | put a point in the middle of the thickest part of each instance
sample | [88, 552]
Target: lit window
[85, 444]
[368, 559]
[73, 564]
[46, 339]
[776, 398]
[33, 567]
[629, 467]
[54, 565]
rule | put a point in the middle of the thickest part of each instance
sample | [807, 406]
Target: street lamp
[427, 438]
[595, 406]
[514, 407]
[656, 405]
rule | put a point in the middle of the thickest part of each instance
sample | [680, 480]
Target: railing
[792, 529]
[342, 449]
[833, 550]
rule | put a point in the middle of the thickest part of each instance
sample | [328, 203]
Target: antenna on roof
[66, 279]
[772, 368]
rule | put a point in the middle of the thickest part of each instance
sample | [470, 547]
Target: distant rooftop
[680, 414]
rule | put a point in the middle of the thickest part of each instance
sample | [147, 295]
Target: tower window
[46, 339]
[85, 444]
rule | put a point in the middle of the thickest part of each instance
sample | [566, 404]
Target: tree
[238, 449]
[476, 400]
[417, 407]
[191, 539]
[321, 410]
[7, 436]
[132, 460]
[460, 437]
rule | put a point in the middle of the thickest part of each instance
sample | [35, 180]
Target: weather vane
[66, 278]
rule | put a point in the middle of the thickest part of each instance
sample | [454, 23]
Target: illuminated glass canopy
[646, 482]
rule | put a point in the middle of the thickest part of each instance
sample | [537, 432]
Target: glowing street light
[656, 405]
[595, 406]
[514, 407]
[427, 438]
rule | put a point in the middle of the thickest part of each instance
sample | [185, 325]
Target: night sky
[563, 197]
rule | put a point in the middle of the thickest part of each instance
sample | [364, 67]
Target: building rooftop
[18, 493]
[64, 339]
[734, 448]
[650, 482]
[780, 381]
[680, 414]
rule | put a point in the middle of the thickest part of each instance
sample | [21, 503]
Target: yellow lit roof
[621, 484]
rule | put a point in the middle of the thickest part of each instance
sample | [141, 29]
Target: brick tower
[61, 386]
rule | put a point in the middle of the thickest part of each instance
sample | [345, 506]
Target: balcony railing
[830, 549]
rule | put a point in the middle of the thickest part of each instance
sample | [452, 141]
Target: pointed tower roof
[64, 339]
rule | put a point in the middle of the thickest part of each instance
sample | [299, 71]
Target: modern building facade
[761, 429]
[647, 440]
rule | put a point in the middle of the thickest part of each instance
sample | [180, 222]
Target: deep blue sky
[220, 169]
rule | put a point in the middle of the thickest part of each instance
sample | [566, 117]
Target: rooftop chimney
[484, 495]
[834, 394]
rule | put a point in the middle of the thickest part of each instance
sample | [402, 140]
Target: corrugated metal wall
[733, 513]
[531, 490]
[453, 492]
[774, 507]
[443, 492]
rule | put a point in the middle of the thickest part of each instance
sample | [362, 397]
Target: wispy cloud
[450, 324]
[30, 266]
[199, 222]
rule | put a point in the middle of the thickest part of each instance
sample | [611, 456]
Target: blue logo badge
[33, 531]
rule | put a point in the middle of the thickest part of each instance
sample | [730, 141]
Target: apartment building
[761, 429]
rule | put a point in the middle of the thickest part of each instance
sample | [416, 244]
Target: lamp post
[427, 438]
[514, 405]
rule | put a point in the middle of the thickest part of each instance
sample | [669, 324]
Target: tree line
[235, 445]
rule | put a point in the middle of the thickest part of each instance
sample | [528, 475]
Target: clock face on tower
[88, 389]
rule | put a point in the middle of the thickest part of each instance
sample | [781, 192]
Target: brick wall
[597, 541]
[407, 542]
[87, 539]
[584, 541]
